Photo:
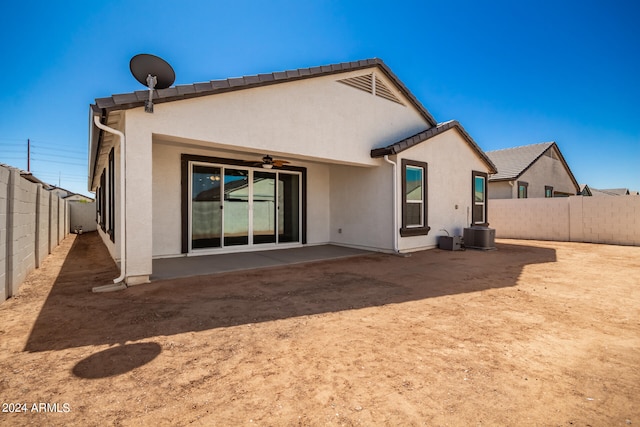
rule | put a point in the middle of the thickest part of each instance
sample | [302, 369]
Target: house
[585, 190]
[537, 170]
[75, 197]
[342, 154]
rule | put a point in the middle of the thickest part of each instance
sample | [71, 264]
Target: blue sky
[511, 72]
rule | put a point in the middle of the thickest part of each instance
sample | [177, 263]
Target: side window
[102, 201]
[112, 196]
[522, 189]
[548, 191]
[479, 198]
[414, 198]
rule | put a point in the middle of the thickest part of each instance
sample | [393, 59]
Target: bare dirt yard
[534, 333]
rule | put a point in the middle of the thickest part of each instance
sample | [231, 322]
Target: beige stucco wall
[317, 118]
[450, 164]
[362, 207]
[546, 171]
[167, 218]
[313, 123]
[501, 190]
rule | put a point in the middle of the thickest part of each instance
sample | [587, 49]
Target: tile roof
[136, 99]
[512, 162]
[430, 133]
[610, 191]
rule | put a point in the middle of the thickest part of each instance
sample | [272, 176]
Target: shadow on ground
[73, 316]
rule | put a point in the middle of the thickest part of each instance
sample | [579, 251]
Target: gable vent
[364, 83]
[370, 83]
[383, 91]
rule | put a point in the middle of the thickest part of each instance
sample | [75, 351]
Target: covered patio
[187, 266]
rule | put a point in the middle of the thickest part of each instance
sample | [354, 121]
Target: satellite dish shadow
[116, 360]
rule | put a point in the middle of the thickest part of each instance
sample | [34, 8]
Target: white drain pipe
[395, 203]
[123, 245]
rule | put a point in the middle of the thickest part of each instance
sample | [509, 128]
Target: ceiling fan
[269, 162]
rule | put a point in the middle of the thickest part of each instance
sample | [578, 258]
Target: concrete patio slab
[172, 268]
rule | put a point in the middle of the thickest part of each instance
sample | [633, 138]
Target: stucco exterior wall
[450, 164]
[362, 206]
[610, 220]
[546, 171]
[317, 118]
[501, 190]
[167, 216]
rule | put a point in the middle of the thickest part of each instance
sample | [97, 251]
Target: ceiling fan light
[267, 165]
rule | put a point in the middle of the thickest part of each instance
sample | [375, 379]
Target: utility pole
[28, 155]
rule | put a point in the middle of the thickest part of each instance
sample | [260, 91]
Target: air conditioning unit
[480, 237]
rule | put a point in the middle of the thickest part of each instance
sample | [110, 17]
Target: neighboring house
[612, 192]
[75, 197]
[585, 190]
[537, 170]
[367, 166]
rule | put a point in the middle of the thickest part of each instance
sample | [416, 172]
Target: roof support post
[395, 202]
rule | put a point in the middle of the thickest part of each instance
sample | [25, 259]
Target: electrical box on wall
[450, 243]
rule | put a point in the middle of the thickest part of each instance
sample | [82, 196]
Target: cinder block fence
[611, 220]
[33, 222]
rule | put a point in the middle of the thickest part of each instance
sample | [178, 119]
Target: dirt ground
[534, 333]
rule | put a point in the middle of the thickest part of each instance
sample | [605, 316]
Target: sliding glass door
[206, 209]
[264, 207]
[234, 206]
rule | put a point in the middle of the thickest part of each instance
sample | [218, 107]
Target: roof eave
[214, 87]
[420, 137]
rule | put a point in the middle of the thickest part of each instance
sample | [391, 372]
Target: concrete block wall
[27, 214]
[22, 211]
[4, 187]
[82, 214]
[610, 220]
[541, 219]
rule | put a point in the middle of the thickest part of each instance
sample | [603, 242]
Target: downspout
[123, 263]
[395, 203]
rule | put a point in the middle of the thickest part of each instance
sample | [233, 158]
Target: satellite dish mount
[154, 73]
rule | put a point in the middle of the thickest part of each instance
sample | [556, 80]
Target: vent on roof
[361, 82]
[370, 83]
[383, 91]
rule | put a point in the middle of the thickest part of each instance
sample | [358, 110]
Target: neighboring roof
[585, 190]
[610, 192]
[512, 162]
[416, 139]
[136, 99]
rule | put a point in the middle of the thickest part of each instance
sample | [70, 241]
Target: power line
[64, 156]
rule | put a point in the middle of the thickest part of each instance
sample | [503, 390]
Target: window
[479, 198]
[102, 201]
[414, 199]
[112, 196]
[522, 189]
[548, 191]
